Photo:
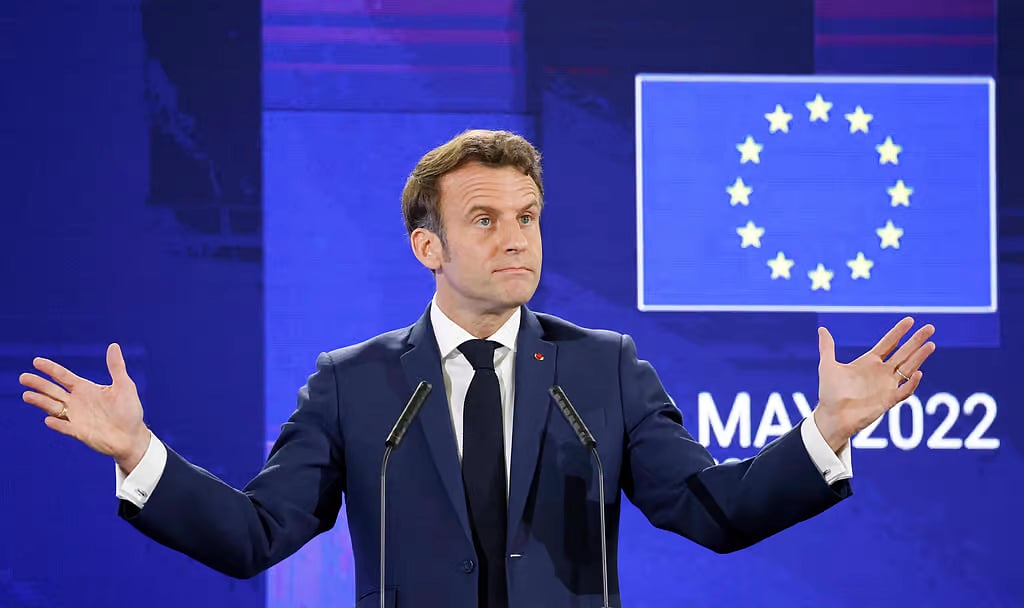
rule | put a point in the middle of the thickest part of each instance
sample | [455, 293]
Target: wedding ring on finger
[63, 415]
[901, 375]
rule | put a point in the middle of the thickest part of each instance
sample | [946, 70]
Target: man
[493, 502]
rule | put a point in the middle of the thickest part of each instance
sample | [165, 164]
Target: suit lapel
[423, 362]
[534, 375]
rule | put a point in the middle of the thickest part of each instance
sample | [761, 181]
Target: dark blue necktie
[483, 471]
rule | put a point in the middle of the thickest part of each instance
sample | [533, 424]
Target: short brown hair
[421, 198]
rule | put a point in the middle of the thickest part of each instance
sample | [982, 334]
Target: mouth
[512, 270]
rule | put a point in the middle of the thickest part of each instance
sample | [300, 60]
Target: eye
[484, 221]
[526, 219]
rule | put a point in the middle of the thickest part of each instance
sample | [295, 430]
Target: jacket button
[468, 565]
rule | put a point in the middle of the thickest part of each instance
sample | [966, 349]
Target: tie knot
[480, 353]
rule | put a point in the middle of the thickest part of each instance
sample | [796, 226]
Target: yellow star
[860, 267]
[780, 266]
[900, 194]
[779, 120]
[859, 120]
[739, 193]
[888, 152]
[751, 235]
[750, 150]
[821, 278]
[819, 108]
[890, 235]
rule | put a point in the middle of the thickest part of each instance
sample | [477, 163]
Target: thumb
[826, 346]
[115, 364]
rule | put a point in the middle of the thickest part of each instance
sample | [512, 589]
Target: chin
[518, 297]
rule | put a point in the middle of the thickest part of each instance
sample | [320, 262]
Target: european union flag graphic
[816, 193]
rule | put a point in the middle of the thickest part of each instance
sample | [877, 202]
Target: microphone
[412, 408]
[588, 441]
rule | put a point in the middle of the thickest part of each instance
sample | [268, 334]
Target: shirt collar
[449, 335]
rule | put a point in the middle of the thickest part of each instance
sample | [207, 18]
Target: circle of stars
[888, 154]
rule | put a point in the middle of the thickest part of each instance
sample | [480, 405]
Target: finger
[60, 425]
[116, 365]
[912, 345]
[58, 372]
[44, 386]
[889, 341]
[47, 404]
[907, 388]
[826, 346]
[916, 358]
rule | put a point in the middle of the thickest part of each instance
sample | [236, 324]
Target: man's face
[492, 260]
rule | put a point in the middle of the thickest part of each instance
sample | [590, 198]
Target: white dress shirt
[458, 372]
[137, 487]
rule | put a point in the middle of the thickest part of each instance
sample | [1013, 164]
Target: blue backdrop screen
[736, 350]
[216, 187]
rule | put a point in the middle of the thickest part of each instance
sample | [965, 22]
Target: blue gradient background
[222, 198]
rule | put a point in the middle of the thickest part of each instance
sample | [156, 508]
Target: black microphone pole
[588, 441]
[391, 443]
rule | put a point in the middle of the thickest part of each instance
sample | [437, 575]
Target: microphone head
[412, 408]
[582, 432]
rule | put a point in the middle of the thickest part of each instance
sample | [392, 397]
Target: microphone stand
[383, 517]
[412, 408]
[588, 441]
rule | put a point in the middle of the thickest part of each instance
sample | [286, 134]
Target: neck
[478, 324]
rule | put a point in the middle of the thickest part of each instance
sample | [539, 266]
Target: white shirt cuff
[137, 487]
[832, 467]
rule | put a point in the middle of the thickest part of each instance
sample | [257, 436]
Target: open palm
[852, 395]
[107, 418]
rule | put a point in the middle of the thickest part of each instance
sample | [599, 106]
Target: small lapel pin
[538, 356]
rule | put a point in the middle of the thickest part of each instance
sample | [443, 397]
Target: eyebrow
[488, 209]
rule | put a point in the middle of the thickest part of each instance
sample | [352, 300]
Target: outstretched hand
[853, 395]
[107, 418]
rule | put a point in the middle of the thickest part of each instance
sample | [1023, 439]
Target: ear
[426, 246]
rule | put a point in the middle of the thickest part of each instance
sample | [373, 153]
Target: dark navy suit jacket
[330, 449]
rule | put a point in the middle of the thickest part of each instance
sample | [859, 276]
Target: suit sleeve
[296, 496]
[675, 482]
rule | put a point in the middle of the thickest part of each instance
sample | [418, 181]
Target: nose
[512, 238]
